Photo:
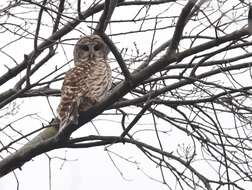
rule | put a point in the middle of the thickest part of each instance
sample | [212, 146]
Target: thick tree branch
[177, 35]
[109, 7]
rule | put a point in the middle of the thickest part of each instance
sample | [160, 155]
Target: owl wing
[69, 91]
[75, 92]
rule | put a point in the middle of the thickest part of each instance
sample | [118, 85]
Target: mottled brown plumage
[89, 80]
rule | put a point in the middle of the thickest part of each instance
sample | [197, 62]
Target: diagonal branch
[177, 35]
[135, 120]
[118, 57]
[109, 7]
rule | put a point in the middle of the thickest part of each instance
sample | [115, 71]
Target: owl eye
[97, 47]
[84, 47]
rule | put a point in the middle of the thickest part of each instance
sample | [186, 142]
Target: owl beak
[91, 54]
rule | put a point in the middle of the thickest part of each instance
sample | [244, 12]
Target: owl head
[90, 48]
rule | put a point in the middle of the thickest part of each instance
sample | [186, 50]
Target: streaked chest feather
[92, 77]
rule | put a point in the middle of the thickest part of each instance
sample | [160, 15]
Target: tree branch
[177, 35]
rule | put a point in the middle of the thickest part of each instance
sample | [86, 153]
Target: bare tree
[181, 68]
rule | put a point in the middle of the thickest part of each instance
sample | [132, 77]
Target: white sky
[86, 168]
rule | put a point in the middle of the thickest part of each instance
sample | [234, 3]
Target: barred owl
[90, 78]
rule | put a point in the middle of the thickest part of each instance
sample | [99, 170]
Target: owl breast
[89, 82]
[99, 79]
